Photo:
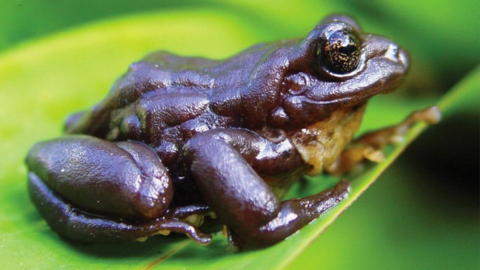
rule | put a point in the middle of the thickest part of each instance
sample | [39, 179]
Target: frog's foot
[77, 225]
[370, 145]
[194, 214]
[294, 214]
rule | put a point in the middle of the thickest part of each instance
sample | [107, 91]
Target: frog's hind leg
[370, 145]
[79, 226]
[219, 162]
[122, 179]
[93, 190]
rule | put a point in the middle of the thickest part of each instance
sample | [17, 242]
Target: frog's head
[336, 67]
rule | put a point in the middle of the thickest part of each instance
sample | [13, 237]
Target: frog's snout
[397, 54]
[379, 48]
[404, 58]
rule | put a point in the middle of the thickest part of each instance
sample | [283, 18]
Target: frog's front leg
[370, 145]
[91, 190]
[220, 162]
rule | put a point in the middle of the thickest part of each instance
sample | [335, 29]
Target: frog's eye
[341, 52]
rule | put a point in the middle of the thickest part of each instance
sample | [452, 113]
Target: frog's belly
[320, 144]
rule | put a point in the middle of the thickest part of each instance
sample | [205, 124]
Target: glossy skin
[179, 138]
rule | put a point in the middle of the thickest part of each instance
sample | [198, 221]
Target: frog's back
[172, 73]
[185, 81]
[162, 101]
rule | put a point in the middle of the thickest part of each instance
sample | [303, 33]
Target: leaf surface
[42, 82]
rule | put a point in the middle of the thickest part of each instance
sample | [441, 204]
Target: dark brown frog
[181, 138]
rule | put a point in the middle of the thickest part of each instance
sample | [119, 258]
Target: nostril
[392, 52]
[403, 57]
[397, 54]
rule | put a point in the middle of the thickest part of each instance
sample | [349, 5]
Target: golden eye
[341, 52]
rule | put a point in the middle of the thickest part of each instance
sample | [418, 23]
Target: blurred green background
[423, 213]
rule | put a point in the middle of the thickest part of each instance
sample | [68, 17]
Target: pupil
[348, 49]
[341, 52]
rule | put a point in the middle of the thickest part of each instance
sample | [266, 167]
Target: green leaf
[41, 82]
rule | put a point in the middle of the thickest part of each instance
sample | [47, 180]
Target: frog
[179, 140]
